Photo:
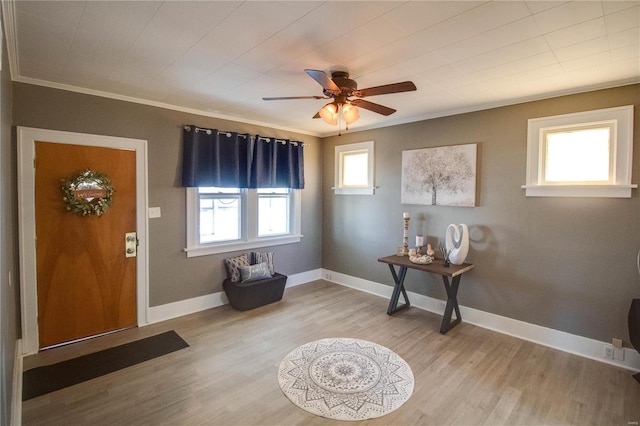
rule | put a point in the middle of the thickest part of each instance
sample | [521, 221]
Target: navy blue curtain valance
[232, 160]
[277, 163]
[212, 158]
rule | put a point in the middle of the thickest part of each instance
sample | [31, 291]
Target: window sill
[598, 191]
[354, 191]
[241, 245]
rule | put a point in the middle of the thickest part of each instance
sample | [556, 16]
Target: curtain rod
[228, 134]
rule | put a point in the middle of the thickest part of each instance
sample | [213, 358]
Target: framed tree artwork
[444, 176]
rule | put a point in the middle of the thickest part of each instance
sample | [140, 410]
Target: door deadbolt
[130, 244]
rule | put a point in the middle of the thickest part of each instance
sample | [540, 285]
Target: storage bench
[250, 295]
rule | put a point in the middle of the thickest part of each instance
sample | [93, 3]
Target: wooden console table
[436, 267]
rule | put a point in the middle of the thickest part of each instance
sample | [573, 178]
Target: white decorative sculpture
[457, 241]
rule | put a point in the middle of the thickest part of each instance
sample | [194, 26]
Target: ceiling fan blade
[324, 80]
[405, 86]
[380, 109]
[293, 97]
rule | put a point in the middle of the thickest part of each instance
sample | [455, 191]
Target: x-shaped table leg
[397, 289]
[452, 303]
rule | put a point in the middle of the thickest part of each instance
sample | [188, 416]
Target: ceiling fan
[341, 88]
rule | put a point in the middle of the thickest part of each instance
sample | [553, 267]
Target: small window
[586, 154]
[354, 168]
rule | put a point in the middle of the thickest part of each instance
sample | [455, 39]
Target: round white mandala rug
[345, 379]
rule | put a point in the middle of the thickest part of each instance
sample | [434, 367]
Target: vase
[457, 242]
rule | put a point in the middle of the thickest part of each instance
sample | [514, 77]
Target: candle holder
[405, 238]
[419, 243]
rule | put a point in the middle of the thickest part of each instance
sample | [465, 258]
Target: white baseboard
[304, 277]
[16, 397]
[186, 307]
[213, 300]
[578, 345]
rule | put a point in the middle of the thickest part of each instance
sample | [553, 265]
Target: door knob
[130, 244]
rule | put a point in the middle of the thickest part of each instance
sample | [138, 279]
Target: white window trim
[194, 248]
[622, 150]
[340, 151]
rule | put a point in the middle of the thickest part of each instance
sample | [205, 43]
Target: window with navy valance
[232, 160]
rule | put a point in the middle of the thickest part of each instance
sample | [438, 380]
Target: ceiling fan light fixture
[329, 113]
[350, 113]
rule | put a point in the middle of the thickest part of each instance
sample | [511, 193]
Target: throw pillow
[254, 272]
[256, 257]
[233, 265]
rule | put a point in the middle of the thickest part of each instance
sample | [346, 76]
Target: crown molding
[9, 21]
[100, 93]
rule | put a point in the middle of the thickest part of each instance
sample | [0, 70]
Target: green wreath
[84, 183]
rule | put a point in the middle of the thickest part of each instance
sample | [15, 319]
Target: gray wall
[172, 277]
[563, 263]
[9, 308]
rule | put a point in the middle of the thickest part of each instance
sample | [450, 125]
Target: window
[273, 212]
[220, 218]
[585, 154]
[226, 219]
[354, 168]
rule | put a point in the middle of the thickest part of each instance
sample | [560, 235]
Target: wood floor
[470, 376]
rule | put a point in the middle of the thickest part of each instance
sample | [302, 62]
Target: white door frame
[27, 221]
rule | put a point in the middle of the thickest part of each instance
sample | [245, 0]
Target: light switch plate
[154, 212]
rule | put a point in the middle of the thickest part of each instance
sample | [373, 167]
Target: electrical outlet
[608, 351]
[616, 342]
[618, 354]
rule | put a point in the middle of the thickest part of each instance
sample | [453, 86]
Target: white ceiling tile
[443, 73]
[522, 49]
[624, 53]
[568, 14]
[540, 73]
[67, 13]
[405, 69]
[396, 52]
[414, 16]
[623, 20]
[587, 62]
[40, 70]
[577, 33]
[587, 48]
[446, 33]
[611, 6]
[534, 62]
[537, 6]
[377, 33]
[505, 35]
[624, 38]
[117, 19]
[494, 14]
[481, 62]
[49, 45]
[341, 17]
[492, 73]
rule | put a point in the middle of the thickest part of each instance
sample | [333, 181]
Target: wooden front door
[86, 285]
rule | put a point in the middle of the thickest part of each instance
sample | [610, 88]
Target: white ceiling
[221, 58]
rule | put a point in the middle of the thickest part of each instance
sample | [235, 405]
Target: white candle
[419, 240]
[405, 215]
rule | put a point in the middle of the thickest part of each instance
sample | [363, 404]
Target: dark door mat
[41, 380]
